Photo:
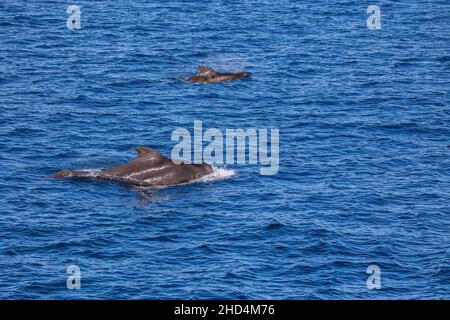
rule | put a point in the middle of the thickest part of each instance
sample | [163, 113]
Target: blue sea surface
[364, 178]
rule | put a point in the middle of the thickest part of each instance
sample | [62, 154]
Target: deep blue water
[364, 173]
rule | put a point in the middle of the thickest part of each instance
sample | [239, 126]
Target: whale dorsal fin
[148, 153]
[204, 70]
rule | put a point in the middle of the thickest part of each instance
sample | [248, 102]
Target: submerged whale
[209, 75]
[150, 168]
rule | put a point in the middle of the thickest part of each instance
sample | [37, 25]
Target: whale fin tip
[206, 70]
[145, 150]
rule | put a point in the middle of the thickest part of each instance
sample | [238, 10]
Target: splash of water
[218, 174]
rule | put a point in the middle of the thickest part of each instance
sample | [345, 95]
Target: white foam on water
[218, 174]
[89, 172]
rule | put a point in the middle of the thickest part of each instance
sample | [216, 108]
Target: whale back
[152, 168]
[209, 75]
[147, 160]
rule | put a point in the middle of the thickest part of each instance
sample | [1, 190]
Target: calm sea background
[364, 120]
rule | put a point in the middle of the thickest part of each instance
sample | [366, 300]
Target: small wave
[274, 226]
[161, 239]
[443, 59]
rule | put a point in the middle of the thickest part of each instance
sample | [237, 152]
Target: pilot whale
[150, 168]
[209, 75]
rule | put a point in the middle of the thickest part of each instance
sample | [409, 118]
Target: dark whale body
[209, 75]
[150, 168]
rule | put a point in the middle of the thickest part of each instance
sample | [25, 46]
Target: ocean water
[364, 177]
